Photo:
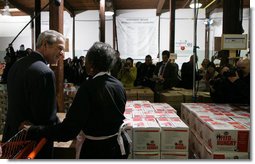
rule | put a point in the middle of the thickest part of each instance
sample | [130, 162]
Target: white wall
[184, 34]
[87, 31]
[10, 27]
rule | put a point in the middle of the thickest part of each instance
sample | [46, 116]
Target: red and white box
[243, 120]
[146, 155]
[174, 155]
[165, 114]
[226, 136]
[202, 119]
[146, 135]
[162, 107]
[185, 112]
[174, 134]
[194, 115]
[199, 146]
[225, 155]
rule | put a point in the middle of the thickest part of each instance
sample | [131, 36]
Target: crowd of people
[11, 57]
[102, 76]
[226, 83]
[223, 86]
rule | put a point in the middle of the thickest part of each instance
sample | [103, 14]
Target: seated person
[145, 73]
[127, 74]
[165, 74]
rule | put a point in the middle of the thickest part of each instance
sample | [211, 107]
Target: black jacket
[31, 95]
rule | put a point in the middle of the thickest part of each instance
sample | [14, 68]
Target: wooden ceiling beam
[209, 9]
[160, 6]
[70, 9]
[21, 7]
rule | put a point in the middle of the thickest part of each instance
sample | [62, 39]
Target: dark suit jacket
[31, 94]
[170, 74]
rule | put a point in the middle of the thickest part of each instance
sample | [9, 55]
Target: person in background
[187, 73]
[243, 69]
[10, 59]
[117, 66]
[233, 86]
[210, 74]
[97, 110]
[31, 88]
[165, 73]
[203, 83]
[128, 73]
[145, 75]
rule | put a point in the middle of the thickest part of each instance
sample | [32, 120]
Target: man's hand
[25, 125]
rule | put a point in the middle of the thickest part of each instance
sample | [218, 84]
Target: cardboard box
[187, 96]
[146, 155]
[224, 155]
[171, 96]
[226, 136]
[199, 146]
[131, 94]
[174, 155]
[145, 94]
[185, 114]
[146, 135]
[162, 107]
[174, 134]
[243, 120]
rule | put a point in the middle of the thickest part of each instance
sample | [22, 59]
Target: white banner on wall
[137, 37]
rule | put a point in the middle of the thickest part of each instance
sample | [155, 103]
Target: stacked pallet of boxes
[140, 94]
[217, 131]
[176, 96]
[3, 105]
[156, 130]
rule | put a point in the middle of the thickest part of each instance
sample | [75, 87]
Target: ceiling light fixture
[192, 4]
[108, 8]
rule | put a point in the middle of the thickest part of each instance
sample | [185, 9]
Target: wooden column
[102, 21]
[73, 36]
[32, 34]
[38, 18]
[56, 23]
[172, 25]
[115, 39]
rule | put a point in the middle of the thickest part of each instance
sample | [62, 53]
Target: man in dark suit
[31, 88]
[165, 73]
[145, 73]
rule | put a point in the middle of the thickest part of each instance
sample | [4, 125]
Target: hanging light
[6, 10]
[192, 4]
[108, 8]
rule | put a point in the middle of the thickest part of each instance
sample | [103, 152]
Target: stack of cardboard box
[217, 131]
[156, 130]
[140, 94]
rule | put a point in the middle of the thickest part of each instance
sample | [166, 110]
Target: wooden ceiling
[77, 6]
